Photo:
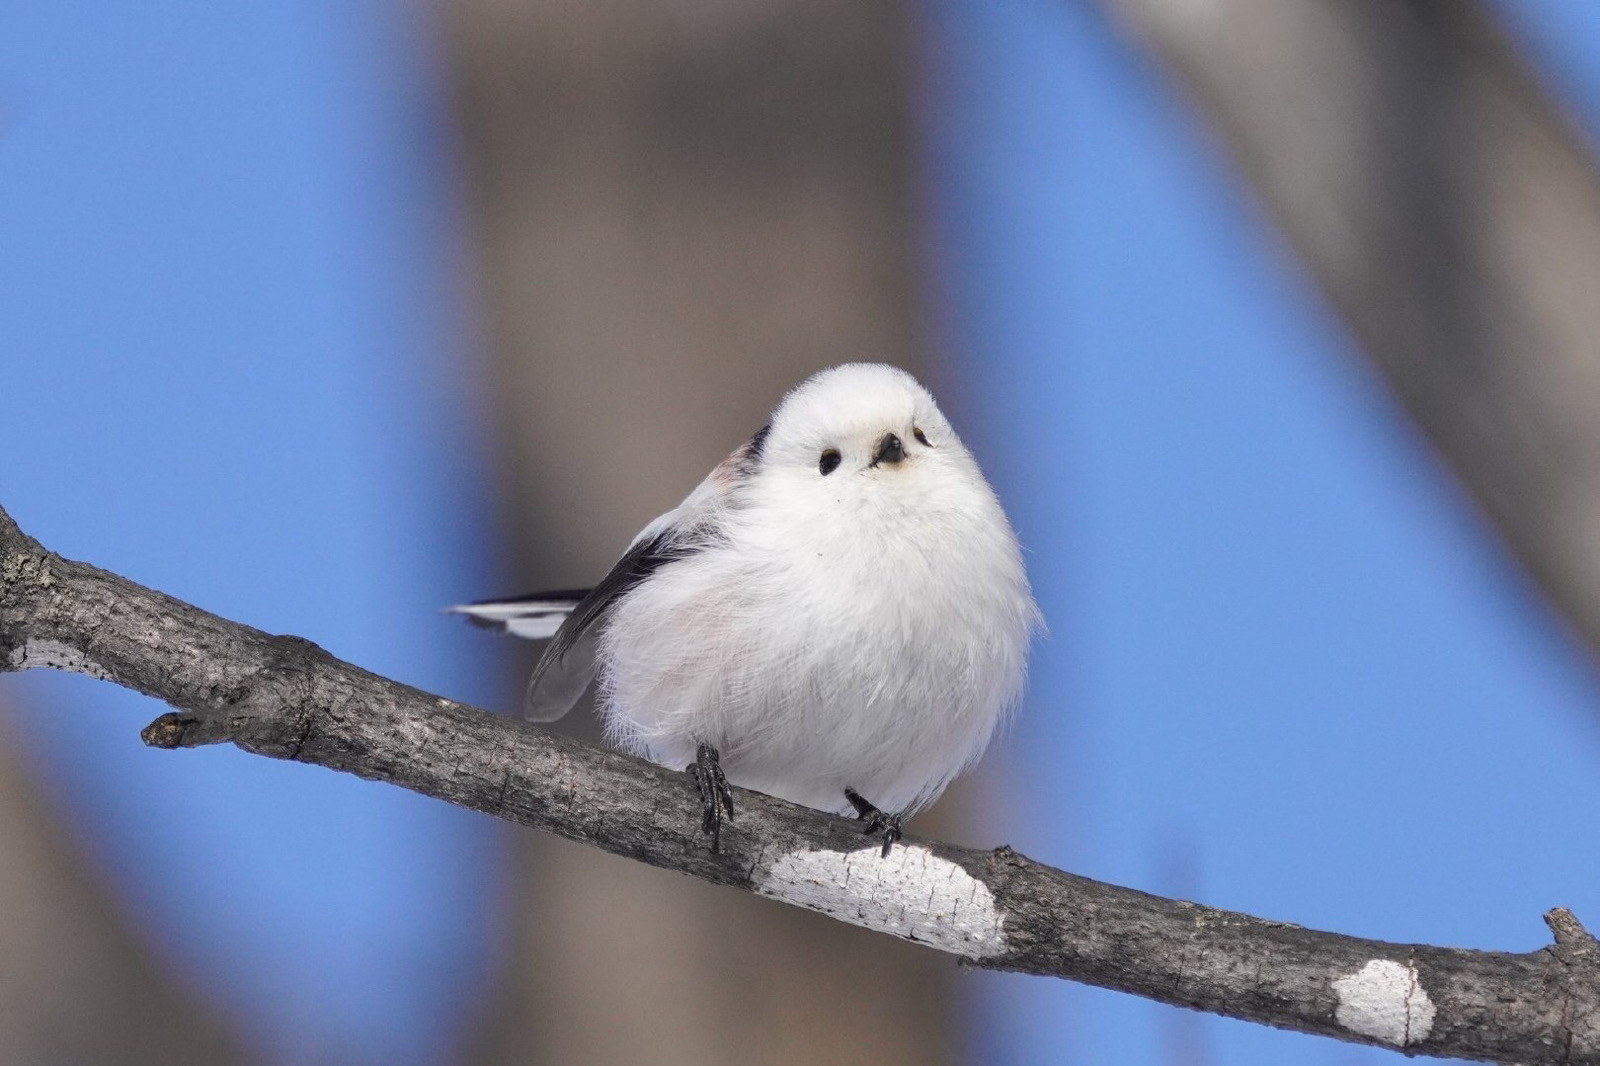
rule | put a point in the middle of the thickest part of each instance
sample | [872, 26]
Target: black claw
[877, 821]
[715, 794]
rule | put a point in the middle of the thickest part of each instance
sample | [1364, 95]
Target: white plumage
[840, 605]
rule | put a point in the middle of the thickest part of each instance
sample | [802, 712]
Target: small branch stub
[167, 731]
[1570, 935]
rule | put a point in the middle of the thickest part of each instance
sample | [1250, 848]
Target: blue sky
[1287, 671]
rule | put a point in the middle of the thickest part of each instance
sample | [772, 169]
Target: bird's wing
[570, 618]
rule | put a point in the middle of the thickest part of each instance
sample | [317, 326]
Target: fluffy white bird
[837, 615]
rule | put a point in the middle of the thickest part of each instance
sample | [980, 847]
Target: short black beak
[890, 450]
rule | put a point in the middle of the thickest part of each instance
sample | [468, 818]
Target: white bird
[837, 615]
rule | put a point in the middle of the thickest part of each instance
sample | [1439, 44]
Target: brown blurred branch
[285, 698]
[696, 202]
[1452, 215]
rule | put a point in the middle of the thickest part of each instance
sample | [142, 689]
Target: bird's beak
[890, 450]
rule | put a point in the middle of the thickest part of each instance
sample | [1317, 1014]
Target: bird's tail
[535, 616]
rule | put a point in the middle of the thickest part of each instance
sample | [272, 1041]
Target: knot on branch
[172, 731]
[11, 536]
[168, 731]
[22, 559]
[1577, 976]
[270, 708]
[1573, 941]
[23, 564]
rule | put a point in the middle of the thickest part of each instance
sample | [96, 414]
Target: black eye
[922, 438]
[829, 462]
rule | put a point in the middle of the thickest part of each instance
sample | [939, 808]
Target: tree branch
[286, 698]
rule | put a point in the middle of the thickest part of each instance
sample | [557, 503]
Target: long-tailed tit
[837, 615]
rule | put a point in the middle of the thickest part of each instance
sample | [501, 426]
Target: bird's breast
[879, 654]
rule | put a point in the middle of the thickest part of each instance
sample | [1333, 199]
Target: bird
[838, 614]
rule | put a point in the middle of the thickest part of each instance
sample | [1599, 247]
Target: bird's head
[865, 435]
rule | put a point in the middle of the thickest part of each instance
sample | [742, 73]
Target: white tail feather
[529, 619]
[535, 626]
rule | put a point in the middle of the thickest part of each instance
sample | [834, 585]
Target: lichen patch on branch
[1384, 1000]
[35, 653]
[956, 911]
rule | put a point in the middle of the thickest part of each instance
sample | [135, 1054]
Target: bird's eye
[922, 438]
[829, 462]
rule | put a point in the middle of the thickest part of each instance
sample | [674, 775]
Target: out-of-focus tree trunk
[1452, 215]
[680, 210]
[75, 987]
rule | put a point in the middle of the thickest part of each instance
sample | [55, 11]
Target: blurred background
[1272, 321]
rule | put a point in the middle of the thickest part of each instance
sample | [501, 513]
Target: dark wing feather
[555, 596]
[567, 665]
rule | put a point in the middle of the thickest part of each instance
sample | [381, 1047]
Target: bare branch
[286, 698]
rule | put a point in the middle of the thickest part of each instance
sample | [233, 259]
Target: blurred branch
[676, 187]
[1452, 215]
[286, 698]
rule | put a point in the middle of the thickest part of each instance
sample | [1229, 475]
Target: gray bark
[1450, 212]
[285, 698]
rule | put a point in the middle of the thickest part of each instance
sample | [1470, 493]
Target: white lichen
[1386, 1001]
[913, 894]
[52, 654]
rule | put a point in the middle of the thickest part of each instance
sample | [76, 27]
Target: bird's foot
[715, 795]
[877, 821]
